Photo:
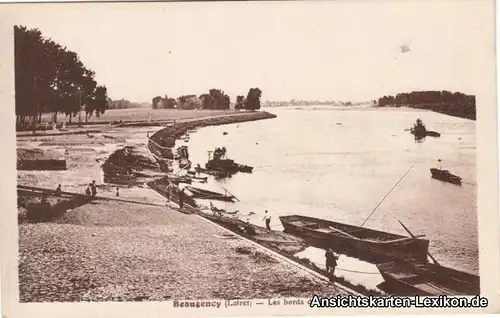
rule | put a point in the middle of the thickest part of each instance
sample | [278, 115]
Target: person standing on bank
[267, 218]
[331, 263]
[93, 188]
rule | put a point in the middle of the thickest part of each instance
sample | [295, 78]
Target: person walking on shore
[93, 188]
[88, 192]
[181, 198]
[267, 218]
[331, 263]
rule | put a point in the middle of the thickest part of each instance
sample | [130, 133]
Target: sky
[310, 50]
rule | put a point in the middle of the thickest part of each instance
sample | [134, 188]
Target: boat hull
[363, 248]
[210, 195]
[430, 280]
[446, 177]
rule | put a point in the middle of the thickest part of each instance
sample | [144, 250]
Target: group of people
[91, 190]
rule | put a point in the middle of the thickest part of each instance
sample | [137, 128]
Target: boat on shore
[446, 176]
[207, 194]
[198, 179]
[428, 280]
[179, 179]
[360, 240]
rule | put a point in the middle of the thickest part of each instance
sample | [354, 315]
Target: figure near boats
[331, 263]
[267, 219]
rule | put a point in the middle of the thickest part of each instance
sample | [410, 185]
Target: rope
[350, 270]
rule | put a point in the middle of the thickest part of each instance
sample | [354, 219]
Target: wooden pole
[413, 236]
[230, 193]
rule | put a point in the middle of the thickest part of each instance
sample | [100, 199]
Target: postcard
[249, 158]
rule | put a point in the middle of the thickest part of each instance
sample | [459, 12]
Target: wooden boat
[207, 194]
[219, 161]
[428, 280]
[179, 179]
[357, 239]
[184, 163]
[198, 179]
[217, 173]
[419, 130]
[432, 133]
[446, 176]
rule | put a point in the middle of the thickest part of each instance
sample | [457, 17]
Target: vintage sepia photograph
[241, 155]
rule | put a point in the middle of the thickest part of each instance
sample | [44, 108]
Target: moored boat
[360, 240]
[207, 194]
[418, 129]
[428, 280]
[446, 176]
[219, 161]
[179, 179]
[431, 133]
[198, 179]
[216, 173]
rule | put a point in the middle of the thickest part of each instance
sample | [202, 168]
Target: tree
[240, 102]
[155, 101]
[97, 103]
[253, 99]
[48, 78]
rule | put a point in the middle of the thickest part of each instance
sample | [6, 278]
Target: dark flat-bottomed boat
[446, 176]
[207, 194]
[428, 280]
[358, 239]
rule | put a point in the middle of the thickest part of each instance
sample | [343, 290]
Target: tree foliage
[240, 102]
[50, 78]
[163, 103]
[253, 99]
[456, 104]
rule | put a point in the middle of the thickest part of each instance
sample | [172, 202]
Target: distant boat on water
[446, 176]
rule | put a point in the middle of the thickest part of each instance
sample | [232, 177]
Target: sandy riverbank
[112, 250]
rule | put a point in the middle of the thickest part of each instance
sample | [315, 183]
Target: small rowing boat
[428, 280]
[198, 179]
[207, 194]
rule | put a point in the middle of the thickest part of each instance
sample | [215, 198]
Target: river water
[338, 164]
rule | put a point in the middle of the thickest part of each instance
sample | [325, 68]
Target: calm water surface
[338, 164]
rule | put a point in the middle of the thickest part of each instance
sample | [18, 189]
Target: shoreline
[436, 108]
[165, 138]
[163, 142]
[143, 234]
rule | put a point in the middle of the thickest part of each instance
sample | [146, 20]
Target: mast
[401, 179]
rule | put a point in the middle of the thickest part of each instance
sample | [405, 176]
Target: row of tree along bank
[454, 104]
[49, 78]
[215, 99]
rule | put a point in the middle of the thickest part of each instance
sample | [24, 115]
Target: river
[338, 163]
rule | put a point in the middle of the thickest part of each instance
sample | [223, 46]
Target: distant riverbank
[445, 102]
[446, 109]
